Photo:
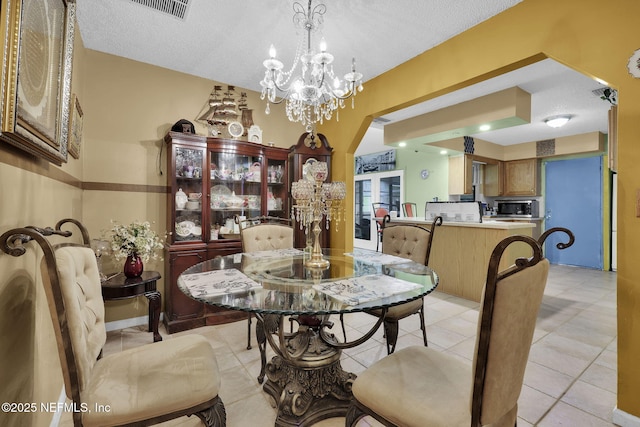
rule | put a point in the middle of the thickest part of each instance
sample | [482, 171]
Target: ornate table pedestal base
[307, 382]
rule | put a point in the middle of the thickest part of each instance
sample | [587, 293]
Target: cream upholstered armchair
[264, 233]
[420, 386]
[412, 242]
[139, 386]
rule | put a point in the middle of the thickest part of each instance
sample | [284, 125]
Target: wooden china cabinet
[310, 148]
[211, 181]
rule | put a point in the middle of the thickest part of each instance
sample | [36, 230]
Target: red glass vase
[133, 266]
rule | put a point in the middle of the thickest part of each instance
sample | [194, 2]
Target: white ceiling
[227, 40]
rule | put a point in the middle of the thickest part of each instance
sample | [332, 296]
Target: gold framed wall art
[37, 44]
[75, 127]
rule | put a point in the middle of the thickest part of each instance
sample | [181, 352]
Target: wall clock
[424, 174]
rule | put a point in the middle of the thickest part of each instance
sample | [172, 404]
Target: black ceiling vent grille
[175, 8]
[381, 120]
[546, 148]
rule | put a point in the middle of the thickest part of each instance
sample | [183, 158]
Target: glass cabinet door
[277, 191]
[235, 183]
[187, 194]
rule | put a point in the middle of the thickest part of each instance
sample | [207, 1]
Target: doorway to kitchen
[385, 187]
[574, 199]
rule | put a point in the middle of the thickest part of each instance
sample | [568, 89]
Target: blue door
[573, 199]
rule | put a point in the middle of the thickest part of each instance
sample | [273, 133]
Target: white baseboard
[129, 323]
[622, 419]
[58, 414]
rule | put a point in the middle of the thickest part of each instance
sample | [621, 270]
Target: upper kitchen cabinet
[493, 183]
[461, 174]
[522, 177]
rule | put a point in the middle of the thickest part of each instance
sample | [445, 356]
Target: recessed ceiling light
[485, 127]
[402, 144]
[557, 121]
[443, 152]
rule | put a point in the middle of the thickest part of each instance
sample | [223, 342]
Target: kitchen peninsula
[460, 252]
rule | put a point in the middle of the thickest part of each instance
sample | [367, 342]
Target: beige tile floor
[571, 373]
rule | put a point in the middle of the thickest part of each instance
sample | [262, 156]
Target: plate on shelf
[220, 189]
[184, 228]
[235, 129]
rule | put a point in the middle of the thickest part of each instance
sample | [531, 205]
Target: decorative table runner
[218, 282]
[358, 290]
[377, 257]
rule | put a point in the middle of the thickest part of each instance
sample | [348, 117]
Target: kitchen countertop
[510, 218]
[501, 225]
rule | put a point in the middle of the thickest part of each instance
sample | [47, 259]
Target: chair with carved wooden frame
[420, 386]
[264, 233]
[144, 385]
[414, 243]
[409, 209]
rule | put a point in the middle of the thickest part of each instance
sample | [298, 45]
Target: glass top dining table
[305, 378]
[277, 282]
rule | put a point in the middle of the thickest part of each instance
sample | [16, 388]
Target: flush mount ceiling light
[313, 95]
[557, 121]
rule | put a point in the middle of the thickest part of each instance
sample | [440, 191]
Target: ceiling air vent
[381, 120]
[599, 92]
[176, 8]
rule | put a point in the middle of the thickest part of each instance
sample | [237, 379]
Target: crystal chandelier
[313, 95]
[315, 200]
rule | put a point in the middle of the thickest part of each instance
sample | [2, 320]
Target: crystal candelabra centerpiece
[315, 201]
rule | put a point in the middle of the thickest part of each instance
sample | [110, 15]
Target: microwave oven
[518, 208]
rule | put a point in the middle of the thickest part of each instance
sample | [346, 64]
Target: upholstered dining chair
[420, 386]
[409, 209]
[412, 242]
[380, 210]
[144, 385]
[264, 233]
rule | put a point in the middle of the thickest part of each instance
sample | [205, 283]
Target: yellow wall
[129, 107]
[591, 36]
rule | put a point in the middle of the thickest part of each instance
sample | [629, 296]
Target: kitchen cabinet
[522, 177]
[309, 148]
[461, 174]
[211, 181]
[493, 184]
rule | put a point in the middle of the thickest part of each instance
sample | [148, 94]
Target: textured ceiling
[227, 40]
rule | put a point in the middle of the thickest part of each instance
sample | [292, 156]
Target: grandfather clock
[310, 148]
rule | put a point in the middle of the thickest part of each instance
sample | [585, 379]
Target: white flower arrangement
[135, 238]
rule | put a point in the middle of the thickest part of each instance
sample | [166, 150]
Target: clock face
[235, 129]
[305, 169]
[424, 174]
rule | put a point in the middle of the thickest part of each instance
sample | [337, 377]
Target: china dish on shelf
[235, 129]
[221, 190]
[184, 228]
